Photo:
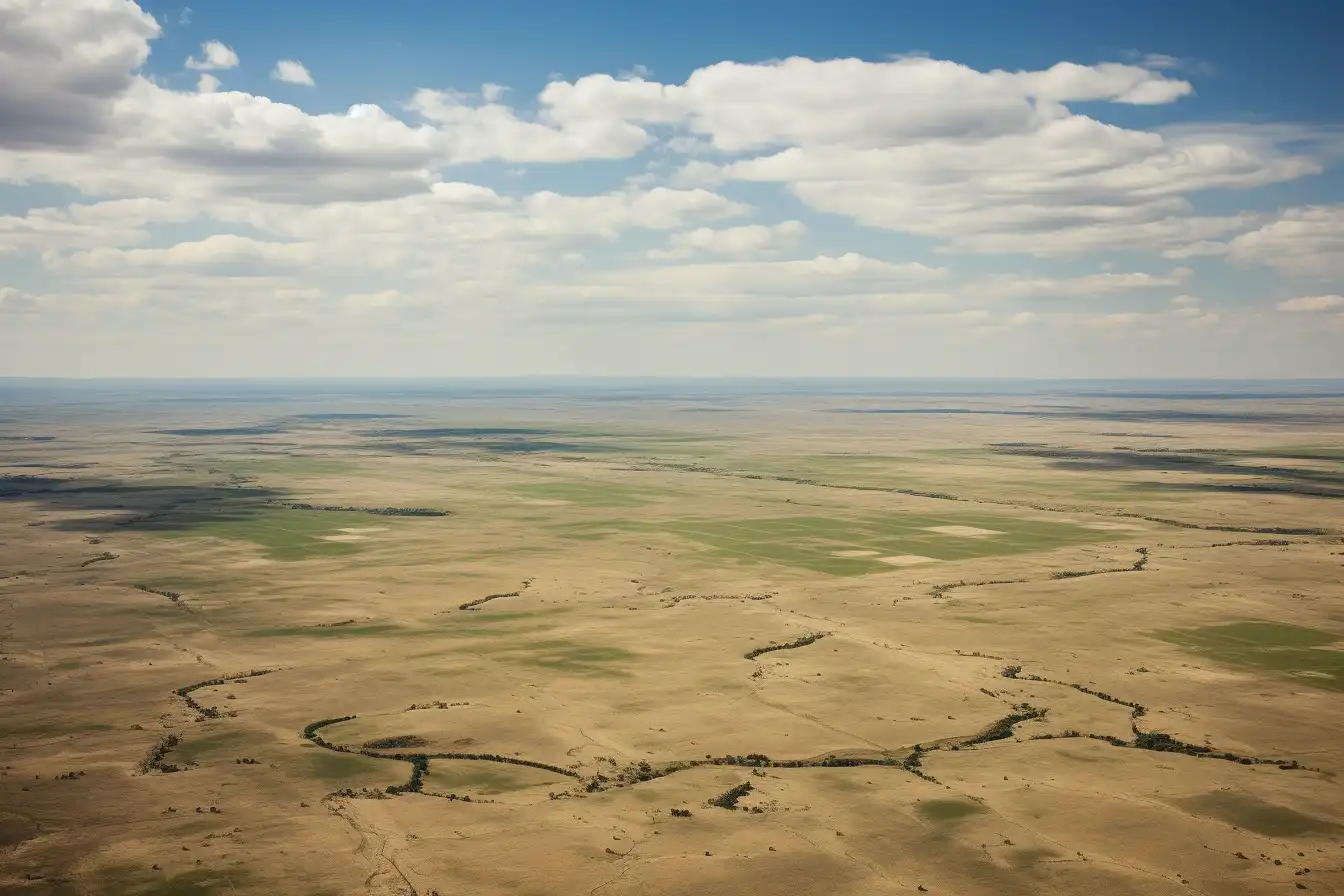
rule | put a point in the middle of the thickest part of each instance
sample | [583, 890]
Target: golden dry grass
[788, 521]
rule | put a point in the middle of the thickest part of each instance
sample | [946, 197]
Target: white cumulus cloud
[749, 239]
[291, 71]
[791, 197]
[1313, 303]
[214, 57]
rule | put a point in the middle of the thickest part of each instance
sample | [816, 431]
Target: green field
[589, 494]
[285, 465]
[1309, 655]
[285, 534]
[813, 542]
[1249, 812]
[487, 778]
[570, 656]
[339, 767]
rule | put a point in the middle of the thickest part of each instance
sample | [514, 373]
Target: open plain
[674, 640]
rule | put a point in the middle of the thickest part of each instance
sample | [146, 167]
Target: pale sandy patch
[1199, 673]
[345, 538]
[547, 502]
[1121, 527]
[852, 553]
[359, 530]
[906, 560]
[962, 531]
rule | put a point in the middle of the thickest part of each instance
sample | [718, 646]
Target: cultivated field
[472, 643]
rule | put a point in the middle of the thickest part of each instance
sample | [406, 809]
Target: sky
[1037, 189]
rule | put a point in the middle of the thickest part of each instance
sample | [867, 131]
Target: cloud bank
[904, 196]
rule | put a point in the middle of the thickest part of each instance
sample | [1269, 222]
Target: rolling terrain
[806, 643]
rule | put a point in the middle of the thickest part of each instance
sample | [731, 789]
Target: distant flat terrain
[811, 643]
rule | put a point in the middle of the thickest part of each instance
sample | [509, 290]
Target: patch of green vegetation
[1254, 814]
[283, 465]
[955, 452]
[485, 778]
[330, 766]
[265, 429]
[69, 664]
[224, 746]
[1308, 655]
[813, 542]
[950, 811]
[49, 729]
[841, 781]
[485, 623]
[1295, 452]
[588, 494]
[571, 656]
[285, 534]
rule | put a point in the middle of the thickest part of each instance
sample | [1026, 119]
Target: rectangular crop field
[876, 544]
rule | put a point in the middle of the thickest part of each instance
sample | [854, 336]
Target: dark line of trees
[787, 645]
[381, 511]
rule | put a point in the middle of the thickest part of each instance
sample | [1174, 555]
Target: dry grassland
[539, 646]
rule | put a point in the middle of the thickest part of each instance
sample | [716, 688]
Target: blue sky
[1038, 189]
[1264, 61]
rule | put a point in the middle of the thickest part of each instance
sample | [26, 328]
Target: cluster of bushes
[1260, 542]
[1003, 728]
[1136, 709]
[673, 601]
[397, 741]
[728, 799]
[941, 590]
[435, 704]
[209, 711]
[473, 604]
[171, 595]
[310, 733]
[419, 761]
[419, 768]
[364, 793]
[1138, 566]
[634, 773]
[493, 757]
[1156, 741]
[787, 645]
[153, 760]
[1259, 530]
[381, 511]
[758, 760]
[105, 555]
[750, 759]
[1162, 742]
[913, 762]
[680, 813]
[796, 480]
